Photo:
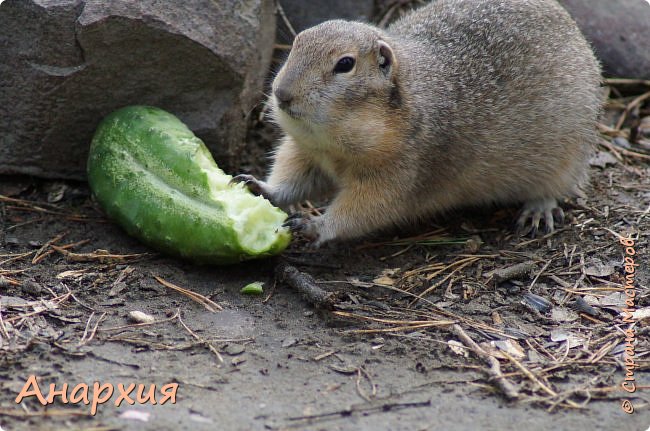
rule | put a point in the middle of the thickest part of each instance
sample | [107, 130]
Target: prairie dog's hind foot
[536, 210]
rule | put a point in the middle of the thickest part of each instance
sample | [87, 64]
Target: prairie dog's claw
[534, 211]
[305, 226]
[294, 223]
[256, 186]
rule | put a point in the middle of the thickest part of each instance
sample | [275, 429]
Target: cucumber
[153, 176]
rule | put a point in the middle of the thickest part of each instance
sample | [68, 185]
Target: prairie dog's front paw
[257, 187]
[312, 228]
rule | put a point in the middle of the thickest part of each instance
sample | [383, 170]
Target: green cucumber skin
[142, 171]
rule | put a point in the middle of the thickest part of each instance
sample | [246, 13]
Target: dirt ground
[394, 352]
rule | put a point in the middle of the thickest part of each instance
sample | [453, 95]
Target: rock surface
[68, 63]
[619, 32]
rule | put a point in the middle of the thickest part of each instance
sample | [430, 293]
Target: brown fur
[461, 102]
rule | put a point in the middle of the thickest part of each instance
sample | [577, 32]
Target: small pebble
[32, 288]
[140, 317]
[536, 302]
[581, 306]
[289, 342]
[12, 240]
[234, 349]
[621, 142]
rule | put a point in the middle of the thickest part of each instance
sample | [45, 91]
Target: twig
[388, 15]
[535, 380]
[515, 271]
[623, 151]
[45, 413]
[306, 286]
[361, 372]
[201, 340]
[206, 302]
[85, 338]
[285, 19]
[101, 256]
[495, 368]
[627, 81]
[2, 324]
[46, 245]
[37, 259]
[630, 106]
[383, 406]
[532, 283]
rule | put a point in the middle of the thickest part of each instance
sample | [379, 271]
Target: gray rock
[303, 14]
[619, 32]
[68, 63]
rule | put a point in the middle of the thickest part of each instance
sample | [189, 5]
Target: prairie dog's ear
[386, 56]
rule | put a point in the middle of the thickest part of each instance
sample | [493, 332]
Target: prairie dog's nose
[284, 97]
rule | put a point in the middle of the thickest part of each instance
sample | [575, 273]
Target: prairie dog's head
[333, 70]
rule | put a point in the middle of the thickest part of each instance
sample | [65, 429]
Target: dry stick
[396, 321]
[610, 131]
[7, 281]
[206, 302]
[393, 329]
[95, 256]
[63, 247]
[495, 369]
[154, 345]
[57, 300]
[627, 81]
[285, 19]
[388, 15]
[306, 286]
[360, 408]
[16, 257]
[515, 271]
[535, 380]
[538, 274]
[46, 245]
[623, 151]
[440, 311]
[45, 413]
[85, 338]
[633, 104]
[29, 204]
[447, 277]
[361, 372]
[2, 325]
[202, 340]
[25, 223]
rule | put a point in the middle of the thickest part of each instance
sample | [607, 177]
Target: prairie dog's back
[513, 84]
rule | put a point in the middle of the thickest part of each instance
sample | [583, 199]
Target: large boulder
[619, 31]
[68, 63]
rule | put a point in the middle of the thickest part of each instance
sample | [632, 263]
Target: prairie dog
[458, 103]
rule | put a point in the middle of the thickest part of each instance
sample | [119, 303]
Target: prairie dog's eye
[344, 65]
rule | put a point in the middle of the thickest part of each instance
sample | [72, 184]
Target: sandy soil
[282, 364]
[386, 356]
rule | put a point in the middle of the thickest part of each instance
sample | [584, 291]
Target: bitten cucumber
[153, 176]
